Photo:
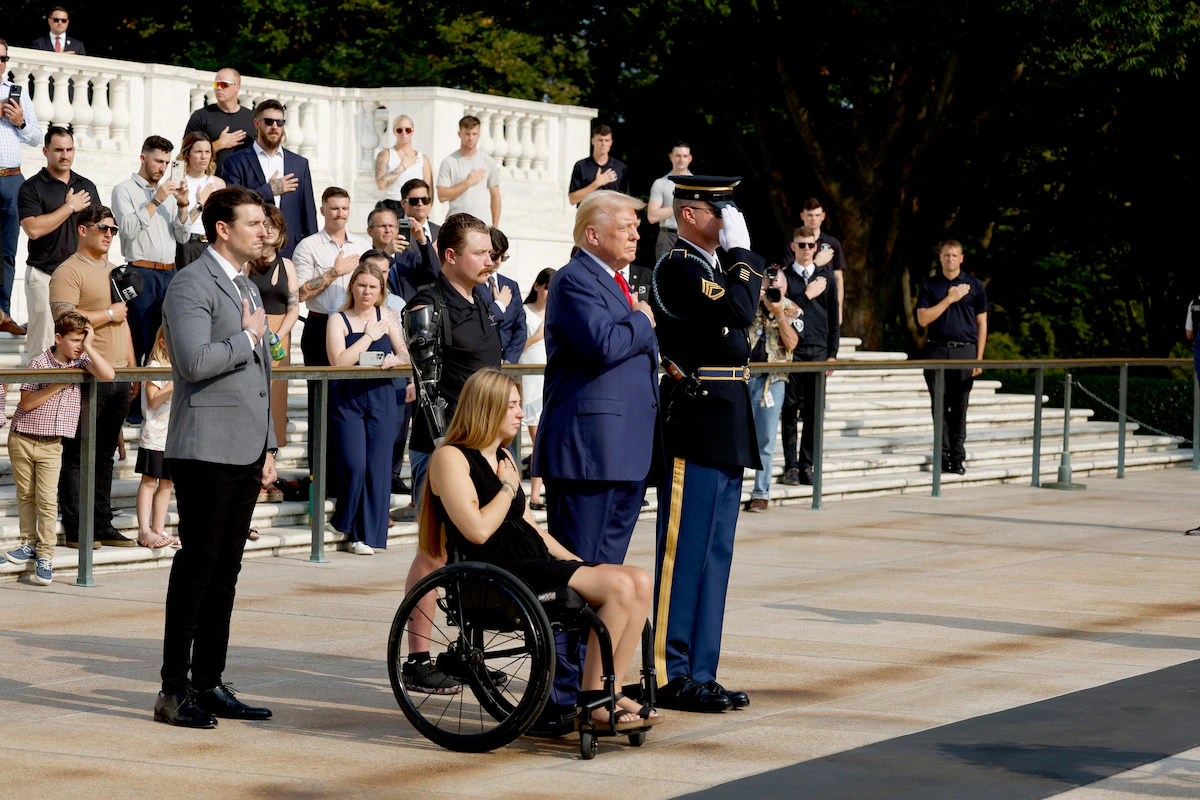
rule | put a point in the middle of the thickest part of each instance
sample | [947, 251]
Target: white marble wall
[338, 130]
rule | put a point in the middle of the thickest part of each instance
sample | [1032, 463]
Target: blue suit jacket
[298, 207]
[410, 272]
[600, 402]
[510, 321]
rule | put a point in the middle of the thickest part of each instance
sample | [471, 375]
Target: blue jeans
[766, 423]
[10, 225]
[145, 310]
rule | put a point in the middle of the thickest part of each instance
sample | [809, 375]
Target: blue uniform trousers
[594, 520]
[697, 515]
[145, 310]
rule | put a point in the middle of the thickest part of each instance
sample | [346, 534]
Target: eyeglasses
[500, 258]
[270, 123]
[404, 130]
[224, 84]
[805, 245]
[712, 211]
[58, 19]
[418, 201]
[110, 229]
[385, 226]
[267, 226]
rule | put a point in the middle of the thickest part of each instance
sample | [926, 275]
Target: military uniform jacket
[703, 315]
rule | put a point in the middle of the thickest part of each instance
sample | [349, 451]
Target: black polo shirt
[42, 194]
[958, 324]
[212, 120]
[586, 170]
[474, 345]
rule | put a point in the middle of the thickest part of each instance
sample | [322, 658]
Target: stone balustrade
[114, 105]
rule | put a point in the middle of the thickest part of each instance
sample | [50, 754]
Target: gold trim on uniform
[668, 571]
[689, 188]
[747, 266]
[723, 373]
[712, 290]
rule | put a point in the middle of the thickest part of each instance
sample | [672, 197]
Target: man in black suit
[279, 175]
[814, 290]
[57, 40]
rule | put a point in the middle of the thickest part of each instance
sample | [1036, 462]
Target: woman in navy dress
[363, 414]
[474, 502]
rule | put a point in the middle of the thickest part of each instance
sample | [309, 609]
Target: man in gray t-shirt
[469, 180]
[662, 195]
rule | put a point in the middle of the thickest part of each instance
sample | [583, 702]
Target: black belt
[198, 237]
[317, 315]
[35, 437]
[952, 345]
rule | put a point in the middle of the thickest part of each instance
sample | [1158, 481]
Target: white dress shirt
[314, 255]
[231, 272]
[270, 166]
[804, 272]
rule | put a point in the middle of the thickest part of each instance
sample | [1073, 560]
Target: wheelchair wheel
[492, 648]
[587, 745]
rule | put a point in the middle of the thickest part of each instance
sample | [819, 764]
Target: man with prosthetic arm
[704, 305]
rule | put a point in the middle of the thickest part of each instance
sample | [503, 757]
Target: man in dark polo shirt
[465, 248]
[48, 205]
[599, 170]
[954, 307]
[229, 125]
[829, 250]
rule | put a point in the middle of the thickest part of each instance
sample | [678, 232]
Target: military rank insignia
[712, 290]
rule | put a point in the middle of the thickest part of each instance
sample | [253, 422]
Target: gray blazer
[221, 406]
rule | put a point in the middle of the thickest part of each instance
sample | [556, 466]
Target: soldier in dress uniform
[704, 306]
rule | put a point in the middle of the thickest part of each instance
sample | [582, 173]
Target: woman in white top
[535, 353]
[399, 164]
[196, 155]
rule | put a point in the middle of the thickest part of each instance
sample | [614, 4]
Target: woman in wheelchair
[474, 502]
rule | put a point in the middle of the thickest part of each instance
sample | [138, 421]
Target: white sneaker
[361, 549]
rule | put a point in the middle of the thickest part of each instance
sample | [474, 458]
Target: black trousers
[215, 503]
[312, 345]
[799, 403]
[957, 397]
[112, 406]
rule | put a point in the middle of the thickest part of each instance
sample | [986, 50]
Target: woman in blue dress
[363, 414]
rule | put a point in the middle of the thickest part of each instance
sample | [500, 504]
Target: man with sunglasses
[228, 124]
[49, 204]
[279, 175]
[812, 288]
[18, 126]
[58, 41]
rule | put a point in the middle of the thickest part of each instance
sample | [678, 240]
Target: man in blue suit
[600, 418]
[505, 296]
[278, 174]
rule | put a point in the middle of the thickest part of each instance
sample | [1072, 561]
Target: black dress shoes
[181, 709]
[736, 699]
[806, 476]
[684, 694]
[220, 701]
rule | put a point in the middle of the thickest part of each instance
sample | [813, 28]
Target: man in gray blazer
[220, 451]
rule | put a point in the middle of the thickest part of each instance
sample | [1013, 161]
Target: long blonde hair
[159, 351]
[482, 409]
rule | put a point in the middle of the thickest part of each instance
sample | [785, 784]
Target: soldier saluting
[704, 306]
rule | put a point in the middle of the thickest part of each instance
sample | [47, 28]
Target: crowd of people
[237, 205]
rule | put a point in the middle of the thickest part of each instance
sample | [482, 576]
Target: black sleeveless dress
[515, 546]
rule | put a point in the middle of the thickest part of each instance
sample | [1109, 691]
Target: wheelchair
[492, 635]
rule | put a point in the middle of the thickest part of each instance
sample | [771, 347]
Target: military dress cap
[714, 189]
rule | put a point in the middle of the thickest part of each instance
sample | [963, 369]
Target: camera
[773, 295]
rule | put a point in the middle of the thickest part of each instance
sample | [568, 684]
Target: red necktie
[624, 286]
[58, 44]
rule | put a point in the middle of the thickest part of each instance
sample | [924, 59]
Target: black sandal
[585, 698]
[644, 712]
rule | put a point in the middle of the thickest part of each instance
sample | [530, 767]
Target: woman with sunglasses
[397, 165]
[196, 154]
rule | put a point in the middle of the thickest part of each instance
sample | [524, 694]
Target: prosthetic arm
[422, 334]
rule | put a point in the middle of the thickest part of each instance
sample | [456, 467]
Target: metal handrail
[323, 375]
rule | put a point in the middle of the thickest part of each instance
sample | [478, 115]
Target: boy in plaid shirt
[47, 412]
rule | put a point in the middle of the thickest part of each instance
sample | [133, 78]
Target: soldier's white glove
[734, 233]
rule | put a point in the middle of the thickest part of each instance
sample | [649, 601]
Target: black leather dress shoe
[957, 468]
[221, 702]
[684, 694]
[806, 476]
[736, 699]
[181, 709]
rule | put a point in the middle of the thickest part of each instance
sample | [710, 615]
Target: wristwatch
[273, 451]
